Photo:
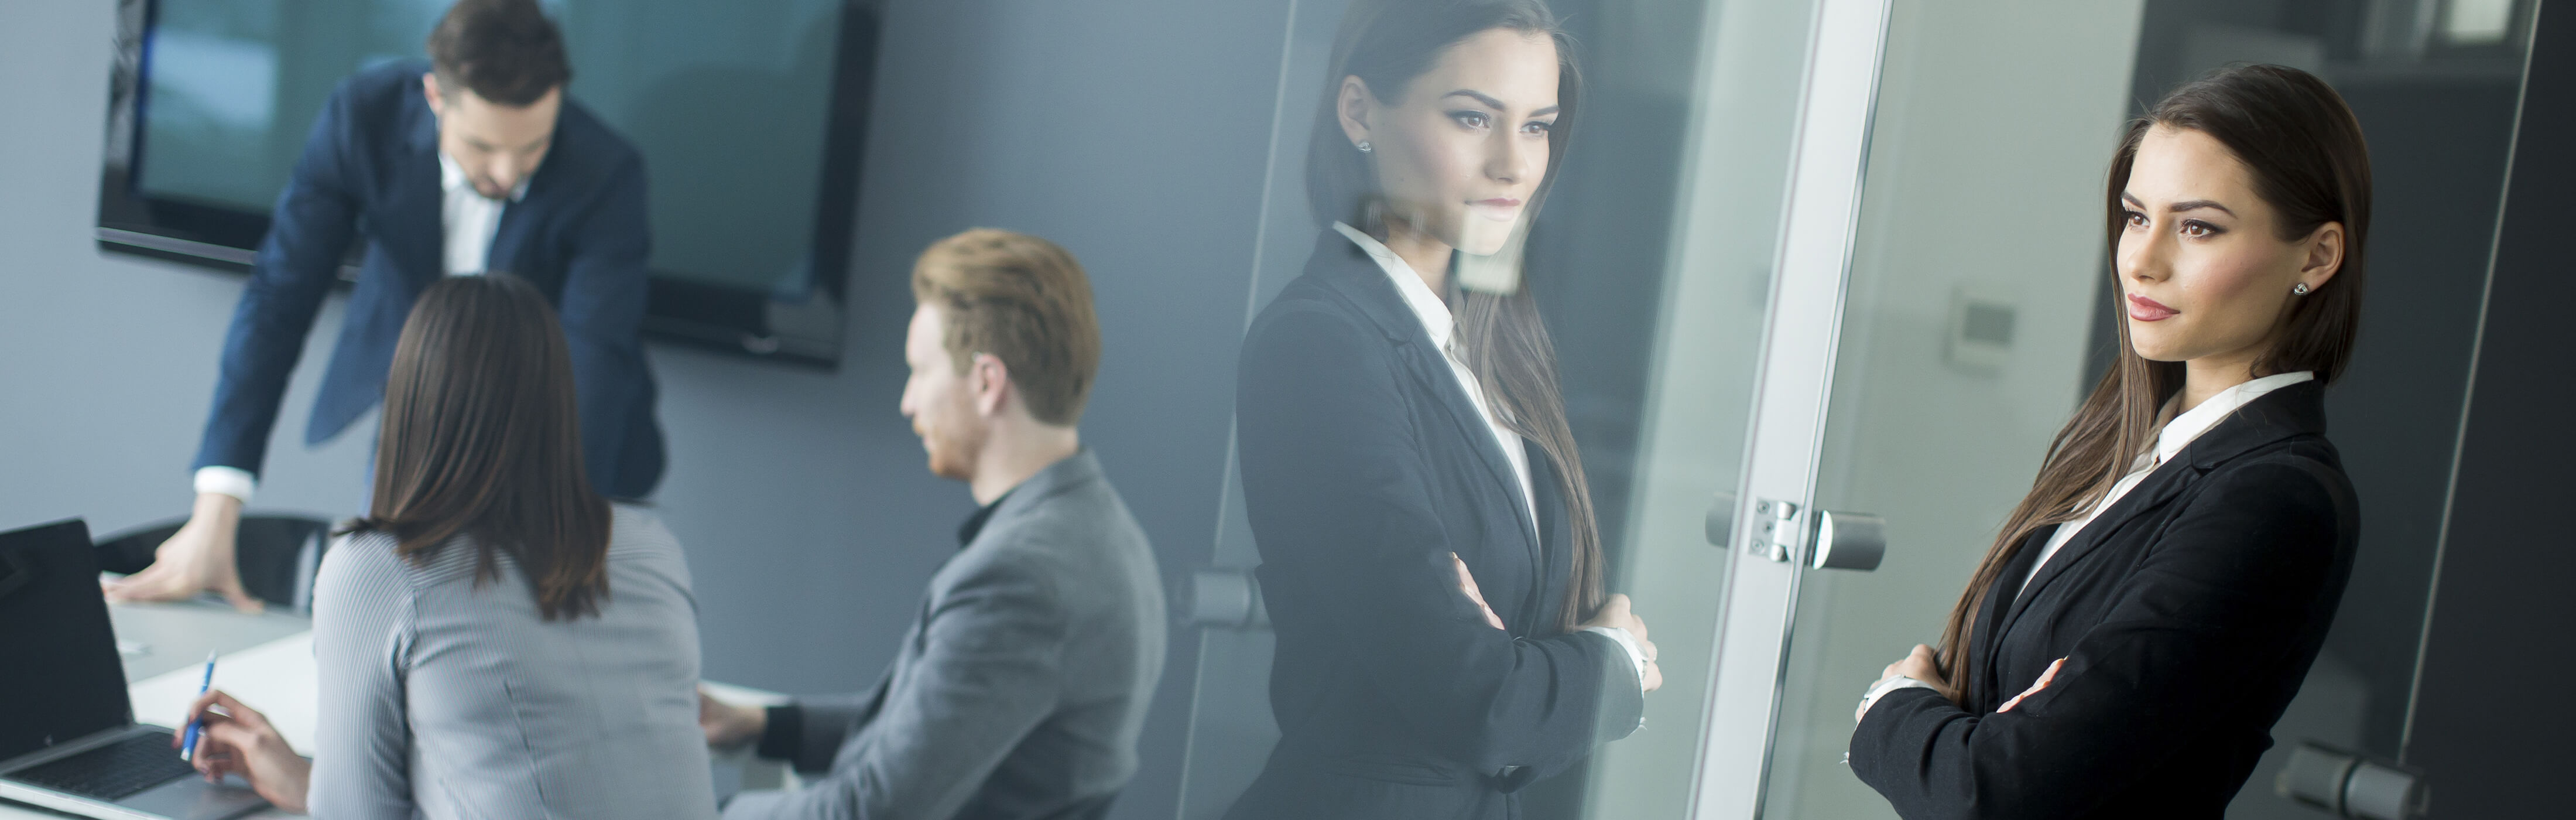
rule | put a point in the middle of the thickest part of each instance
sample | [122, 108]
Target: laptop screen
[59, 672]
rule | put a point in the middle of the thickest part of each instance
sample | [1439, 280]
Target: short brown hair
[1023, 300]
[505, 51]
[481, 439]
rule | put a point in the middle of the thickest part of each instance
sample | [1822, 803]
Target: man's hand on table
[199, 557]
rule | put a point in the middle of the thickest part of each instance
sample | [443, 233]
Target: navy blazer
[1364, 466]
[370, 168]
[2188, 613]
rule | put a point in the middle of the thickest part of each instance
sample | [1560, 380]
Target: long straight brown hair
[1388, 43]
[2305, 152]
[481, 439]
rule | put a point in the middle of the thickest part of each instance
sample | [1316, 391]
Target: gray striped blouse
[442, 700]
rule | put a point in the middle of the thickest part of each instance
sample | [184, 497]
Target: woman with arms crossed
[495, 639]
[1428, 553]
[2155, 601]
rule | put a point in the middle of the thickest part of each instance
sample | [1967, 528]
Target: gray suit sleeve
[362, 635]
[986, 676]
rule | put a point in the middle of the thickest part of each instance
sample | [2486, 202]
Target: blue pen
[188, 742]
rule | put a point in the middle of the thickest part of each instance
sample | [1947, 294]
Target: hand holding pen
[237, 739]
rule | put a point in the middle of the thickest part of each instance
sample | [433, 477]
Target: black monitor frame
[745, 321]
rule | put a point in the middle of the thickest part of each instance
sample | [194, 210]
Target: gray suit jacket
[1021, 687]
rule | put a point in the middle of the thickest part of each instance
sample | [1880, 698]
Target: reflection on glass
[1648, 269]
[1428, 552]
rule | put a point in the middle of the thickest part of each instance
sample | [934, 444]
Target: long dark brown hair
[1386, 44]
[2305, 152]
[481, 439]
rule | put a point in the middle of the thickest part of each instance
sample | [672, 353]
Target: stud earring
[2300, 289]
[1364, 146]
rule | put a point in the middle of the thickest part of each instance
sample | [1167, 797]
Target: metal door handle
[2350, 785]
[1228, 598]
[1826, 539]
[1719, 524]
[1853, 541]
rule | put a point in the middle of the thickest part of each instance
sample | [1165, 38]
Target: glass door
[1653, 267]
[1961, 345]
[1975, 315]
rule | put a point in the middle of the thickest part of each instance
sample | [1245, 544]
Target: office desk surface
[159, 638]
[266, 661]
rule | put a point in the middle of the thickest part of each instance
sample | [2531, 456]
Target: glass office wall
[1651, 264]
[1978, 315]
[1848, 255]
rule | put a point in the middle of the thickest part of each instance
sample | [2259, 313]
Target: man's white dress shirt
[1437, 321]
[468, 220]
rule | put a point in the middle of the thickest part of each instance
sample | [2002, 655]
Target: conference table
[265, 660]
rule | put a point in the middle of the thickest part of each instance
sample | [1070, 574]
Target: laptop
[68, 740]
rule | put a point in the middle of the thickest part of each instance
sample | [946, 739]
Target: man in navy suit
[471, 163]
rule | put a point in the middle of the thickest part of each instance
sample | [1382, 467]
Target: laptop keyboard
[112, 771]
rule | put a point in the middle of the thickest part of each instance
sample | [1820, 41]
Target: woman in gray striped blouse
[495, 639]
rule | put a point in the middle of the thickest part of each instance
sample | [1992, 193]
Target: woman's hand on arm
[1615, 613]
[239, 740]
[1619, 613]
[1467, 584]
[2045, 676]
[1920, 666]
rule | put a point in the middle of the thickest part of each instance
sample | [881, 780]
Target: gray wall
[1131, 131]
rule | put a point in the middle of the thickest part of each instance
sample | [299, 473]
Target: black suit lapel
[1985, 641]
[409, 222]
[1350, 271]
[1555, 526]
[2287, 411]
[518, 220]
[503, 256]
[2168, 479]
[1435, 376]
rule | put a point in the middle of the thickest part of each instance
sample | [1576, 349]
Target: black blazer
[2188, 613]
[369, 172]
[1364, 467]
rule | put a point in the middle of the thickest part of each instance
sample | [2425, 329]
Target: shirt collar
[974, 525]
[1408, 284]
[2180, 432]
[451, 179]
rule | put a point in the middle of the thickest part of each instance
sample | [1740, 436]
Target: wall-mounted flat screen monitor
[749, 114]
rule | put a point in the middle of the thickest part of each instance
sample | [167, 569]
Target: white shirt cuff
[1636, 658]
[1880, 690]
[232, 481]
